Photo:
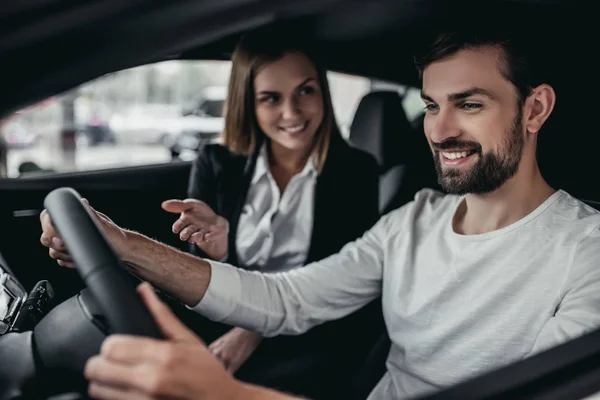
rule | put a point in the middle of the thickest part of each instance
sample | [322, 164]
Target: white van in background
[167, 124]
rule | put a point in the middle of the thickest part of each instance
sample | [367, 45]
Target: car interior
[48, 47]
[381, 128]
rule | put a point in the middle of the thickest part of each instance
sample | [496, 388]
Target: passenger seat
[381, 128]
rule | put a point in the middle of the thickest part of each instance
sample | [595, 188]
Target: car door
[130, 196]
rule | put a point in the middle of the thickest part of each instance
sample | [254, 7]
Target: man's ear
[539, 106]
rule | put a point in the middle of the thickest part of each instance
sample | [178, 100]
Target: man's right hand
[178, 367]
[57, 250]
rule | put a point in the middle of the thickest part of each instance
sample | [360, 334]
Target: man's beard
[491, 170]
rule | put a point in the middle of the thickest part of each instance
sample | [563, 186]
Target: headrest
[381, 128]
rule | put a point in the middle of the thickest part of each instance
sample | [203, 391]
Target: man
[499, 269]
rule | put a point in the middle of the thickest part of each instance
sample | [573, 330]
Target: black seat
[592, 203]
[373, 369]
[381, 128]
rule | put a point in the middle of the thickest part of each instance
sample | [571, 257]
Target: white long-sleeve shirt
[455, 305]
[274, 230]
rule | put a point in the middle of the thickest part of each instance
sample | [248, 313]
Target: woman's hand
[200, 225]
[235, 347]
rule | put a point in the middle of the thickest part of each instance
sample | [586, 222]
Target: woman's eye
[269, 99]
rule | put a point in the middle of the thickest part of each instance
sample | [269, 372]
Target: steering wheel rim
[98, 265]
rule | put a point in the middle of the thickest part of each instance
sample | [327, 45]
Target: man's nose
[443, 127]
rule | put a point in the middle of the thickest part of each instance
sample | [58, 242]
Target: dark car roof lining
[375, 29]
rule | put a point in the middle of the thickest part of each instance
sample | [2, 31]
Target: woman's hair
[242, 134]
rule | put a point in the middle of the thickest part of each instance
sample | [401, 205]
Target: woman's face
[289, 102]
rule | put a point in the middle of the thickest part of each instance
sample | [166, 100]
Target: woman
[284, 190]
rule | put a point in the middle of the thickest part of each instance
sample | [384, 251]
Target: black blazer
[346, 194]
[346, 205]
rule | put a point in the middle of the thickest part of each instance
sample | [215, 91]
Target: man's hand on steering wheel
[57, 250]
[181, 367]
[138, 367]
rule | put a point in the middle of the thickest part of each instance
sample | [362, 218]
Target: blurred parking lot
[151, 114]
[86, 158]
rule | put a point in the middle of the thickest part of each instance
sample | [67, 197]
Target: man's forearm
[180, 274]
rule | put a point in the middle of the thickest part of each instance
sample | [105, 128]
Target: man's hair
[520, 61]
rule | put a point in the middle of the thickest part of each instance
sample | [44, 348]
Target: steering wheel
[98, 265]
[50, 359]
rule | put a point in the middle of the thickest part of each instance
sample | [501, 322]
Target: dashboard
[12, 297]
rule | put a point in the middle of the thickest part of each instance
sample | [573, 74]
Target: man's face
[473, 121]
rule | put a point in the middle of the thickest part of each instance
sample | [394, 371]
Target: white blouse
[274, 230]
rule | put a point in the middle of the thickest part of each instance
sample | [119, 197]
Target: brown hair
[520, 63]
[242, 134]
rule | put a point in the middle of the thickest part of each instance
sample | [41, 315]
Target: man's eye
[471, 106]
[430, 107]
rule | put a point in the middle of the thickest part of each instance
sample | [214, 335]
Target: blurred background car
[91, 119]
[203, 123]
[147, 123]
[94, 133]
[172, 125]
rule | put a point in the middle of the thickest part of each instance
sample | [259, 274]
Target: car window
[151, 114]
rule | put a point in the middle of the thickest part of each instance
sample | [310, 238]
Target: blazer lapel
[325, 210]
[236, 183]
